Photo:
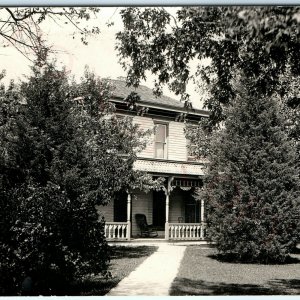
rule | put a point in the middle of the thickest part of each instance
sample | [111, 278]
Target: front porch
[174, 213]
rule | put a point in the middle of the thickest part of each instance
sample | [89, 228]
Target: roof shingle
[146, 94]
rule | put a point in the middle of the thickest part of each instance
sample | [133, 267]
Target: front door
[159, 209]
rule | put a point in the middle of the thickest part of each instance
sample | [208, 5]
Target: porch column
[128, 235]
[202, 219]
[167, 192]
[167, 215]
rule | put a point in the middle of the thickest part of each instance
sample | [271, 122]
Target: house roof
[146, 94]
[149, 100]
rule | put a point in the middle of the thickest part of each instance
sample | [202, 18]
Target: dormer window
[161, 132]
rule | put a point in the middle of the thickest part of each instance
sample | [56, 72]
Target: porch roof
[169, 167]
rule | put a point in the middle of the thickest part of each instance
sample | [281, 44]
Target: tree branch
[18, 19]
[17, 48]
[10, 39]
[74, 24]
[174, 19]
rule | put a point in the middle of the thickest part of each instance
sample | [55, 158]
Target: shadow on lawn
[185, 287]
[118, 252]
[296, 251]
[93, 287]
[230, 258]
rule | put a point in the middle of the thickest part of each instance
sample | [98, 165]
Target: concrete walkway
[154, 276]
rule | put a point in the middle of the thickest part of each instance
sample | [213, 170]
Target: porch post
[202, 219]
[202, 211]
[168, 191]
[128, 235]
[167, 215]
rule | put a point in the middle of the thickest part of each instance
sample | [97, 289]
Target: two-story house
[173, 212]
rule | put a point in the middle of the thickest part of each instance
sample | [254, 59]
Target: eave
[163, 110]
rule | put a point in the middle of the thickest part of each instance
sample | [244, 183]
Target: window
[191, 136]
[191, 150]
[161, 141]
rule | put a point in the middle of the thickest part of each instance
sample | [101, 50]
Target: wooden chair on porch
[146, 230]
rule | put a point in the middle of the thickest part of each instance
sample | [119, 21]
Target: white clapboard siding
[107, 211]
[146, 124]
[177, 142]
[176, 206]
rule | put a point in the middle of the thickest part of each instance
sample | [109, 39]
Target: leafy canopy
[261, 41]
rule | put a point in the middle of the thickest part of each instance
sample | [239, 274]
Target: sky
[99, 55]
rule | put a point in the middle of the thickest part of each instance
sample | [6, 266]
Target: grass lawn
[202, 274]
[123, 261]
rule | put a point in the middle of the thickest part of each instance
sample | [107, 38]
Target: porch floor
[158, 241]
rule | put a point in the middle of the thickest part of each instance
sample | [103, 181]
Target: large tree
[292, 109]
[225, 44]
[252, 183]
[261, 41]
[62, 152]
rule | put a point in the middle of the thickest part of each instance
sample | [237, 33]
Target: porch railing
[116, 230]
[186, 231]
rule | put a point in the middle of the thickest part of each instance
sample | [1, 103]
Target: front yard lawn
[123, 261]
[202, 274]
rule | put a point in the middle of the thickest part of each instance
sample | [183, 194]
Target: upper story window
[161, 135]
[191, 150]
[191, 134]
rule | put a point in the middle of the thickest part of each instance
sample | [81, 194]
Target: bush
[54, 241]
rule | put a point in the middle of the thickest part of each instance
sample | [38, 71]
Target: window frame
[166, 143]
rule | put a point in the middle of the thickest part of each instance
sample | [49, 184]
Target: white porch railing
[116, 230]
[186, 231]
